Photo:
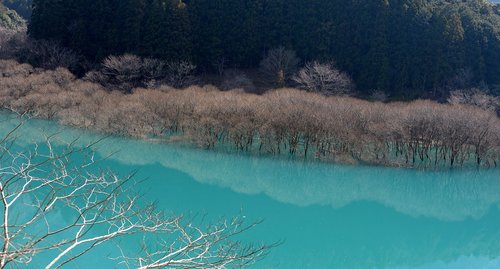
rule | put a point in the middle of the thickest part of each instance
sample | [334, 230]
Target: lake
[326, 215]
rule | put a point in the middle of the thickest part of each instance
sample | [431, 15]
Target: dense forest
[406, 48]
[144, 68]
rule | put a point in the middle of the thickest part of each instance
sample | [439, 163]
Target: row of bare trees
[126, 72]
[284, 121]
[40, 53]
[279, 68]
[475, 97]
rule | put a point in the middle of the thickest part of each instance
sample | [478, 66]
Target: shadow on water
[330, 216]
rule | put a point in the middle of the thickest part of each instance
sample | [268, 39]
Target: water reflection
[445, 195]
[331, 216]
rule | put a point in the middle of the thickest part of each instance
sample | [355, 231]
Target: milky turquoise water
[326, 215]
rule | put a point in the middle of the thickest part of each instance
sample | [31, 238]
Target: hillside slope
[11, 20]
[407, 48]
[22, 7]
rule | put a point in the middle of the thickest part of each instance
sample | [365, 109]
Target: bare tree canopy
[5, 36]
[179, 74]
[128, 71]
[40, 182]
[296, 122]
[475, 97]
[323, 78]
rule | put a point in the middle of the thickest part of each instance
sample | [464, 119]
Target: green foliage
[405, 48]
[22, 7]
[10, 19]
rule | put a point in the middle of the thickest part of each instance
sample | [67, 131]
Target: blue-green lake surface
[327, 215]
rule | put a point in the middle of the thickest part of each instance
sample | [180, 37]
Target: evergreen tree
[177, 29]
[153, 38]
[404, 47]
[49, 20]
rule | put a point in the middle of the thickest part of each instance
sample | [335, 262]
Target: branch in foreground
[40, 182]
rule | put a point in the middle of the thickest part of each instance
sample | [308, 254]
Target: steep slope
[11, 20]
[22, 7]
[407, 48]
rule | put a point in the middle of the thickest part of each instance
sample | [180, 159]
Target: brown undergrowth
[280, 122]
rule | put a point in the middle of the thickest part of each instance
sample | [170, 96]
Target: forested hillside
[406, 48]
[10, 19]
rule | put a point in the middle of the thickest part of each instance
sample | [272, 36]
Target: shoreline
[283, 122]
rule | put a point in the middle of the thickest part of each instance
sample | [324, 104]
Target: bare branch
[323, 78]
[38, 182]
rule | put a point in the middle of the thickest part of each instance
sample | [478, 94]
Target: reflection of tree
[446, 214]
[445, 195]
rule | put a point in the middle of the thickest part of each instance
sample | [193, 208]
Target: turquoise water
[328, 216]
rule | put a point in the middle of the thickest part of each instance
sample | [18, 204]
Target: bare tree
[39, 53]
[475, 97]
[47, 54]
[196, 248]
[12, 42]
[5, 36]
[153, 71]
[323, 78]
[278, 65]
[180, 74]
[39, 183]
[123, 72]
[127, 72]
[337, 128]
